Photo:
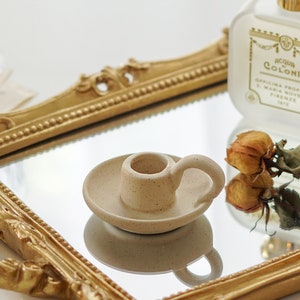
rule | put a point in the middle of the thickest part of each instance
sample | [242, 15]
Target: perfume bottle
[264, 61]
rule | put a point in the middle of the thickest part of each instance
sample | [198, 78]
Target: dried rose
[244, 191]
[246, 153]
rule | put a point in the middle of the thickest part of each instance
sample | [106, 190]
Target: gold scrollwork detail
[113, 92]
[52, 267]
[287, 43]
[5, 123]
[36, 279]
[111, 79]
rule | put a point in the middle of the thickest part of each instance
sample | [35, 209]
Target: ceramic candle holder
[149, 180]
[152, 192]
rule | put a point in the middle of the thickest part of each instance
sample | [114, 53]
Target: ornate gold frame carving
[52, 267]
[112, 92]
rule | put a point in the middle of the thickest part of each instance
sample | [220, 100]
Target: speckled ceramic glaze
[152, 192]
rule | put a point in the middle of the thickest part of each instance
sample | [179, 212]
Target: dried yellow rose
[246, 153]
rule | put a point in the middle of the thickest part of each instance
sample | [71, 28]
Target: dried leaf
[288, 159]
[287, 206]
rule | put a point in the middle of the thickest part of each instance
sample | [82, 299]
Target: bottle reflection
[273, 246]
[173, 251]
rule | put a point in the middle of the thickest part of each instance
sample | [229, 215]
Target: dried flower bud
[248, 150]
[244, 191]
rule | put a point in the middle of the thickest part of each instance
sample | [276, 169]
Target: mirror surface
[51, 184]
[47, 46]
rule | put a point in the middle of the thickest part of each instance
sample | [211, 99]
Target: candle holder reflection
[155, 253]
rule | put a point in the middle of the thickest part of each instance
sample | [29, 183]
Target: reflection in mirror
[283, 187]
[159, 253]
[55, 177]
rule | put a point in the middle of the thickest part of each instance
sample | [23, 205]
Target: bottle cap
[292, 5]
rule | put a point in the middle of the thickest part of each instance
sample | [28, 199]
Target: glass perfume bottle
[264, 61]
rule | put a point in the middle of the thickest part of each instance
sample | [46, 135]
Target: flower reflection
[259, 160]
[244, 191]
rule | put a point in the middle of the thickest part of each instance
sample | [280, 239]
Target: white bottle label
[274, 70]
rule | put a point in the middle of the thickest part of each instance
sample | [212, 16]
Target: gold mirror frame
[51, 267]
[112, 92]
